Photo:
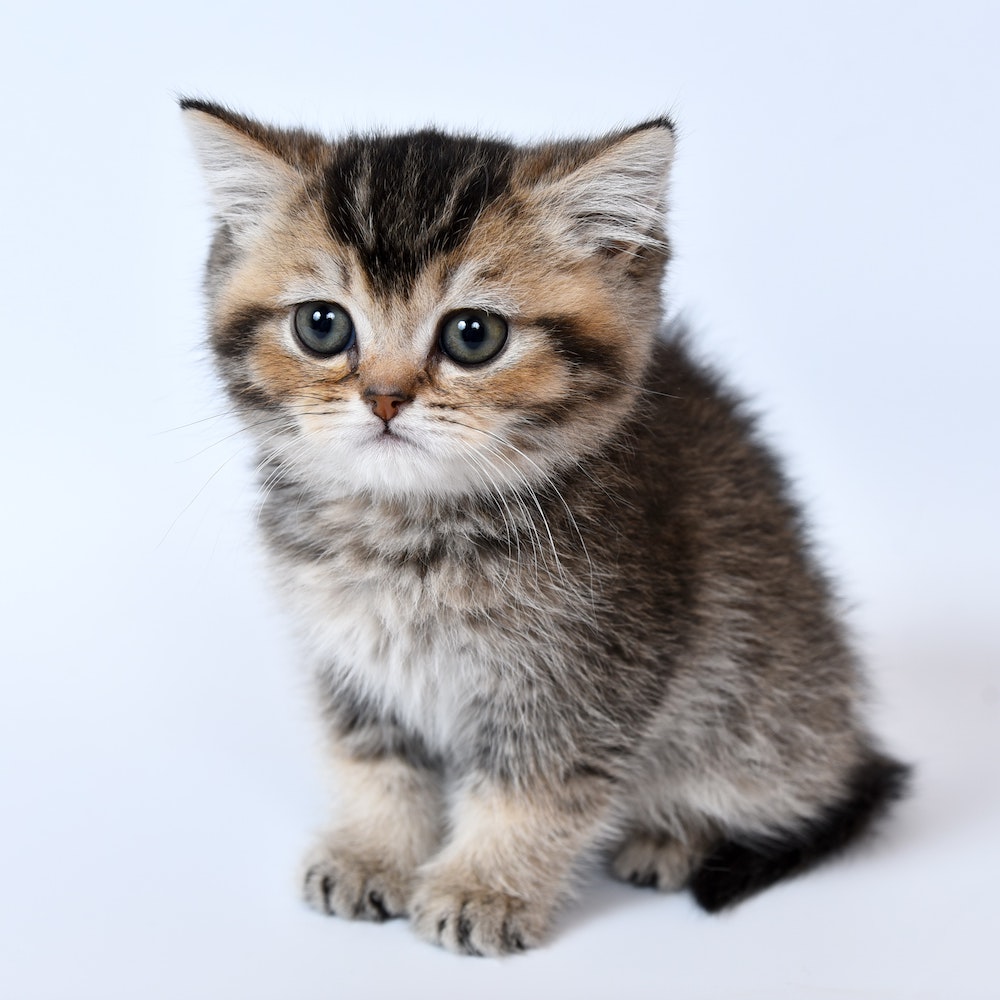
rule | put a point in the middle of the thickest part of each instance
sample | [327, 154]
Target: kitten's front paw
[476, 920]
[343, 883]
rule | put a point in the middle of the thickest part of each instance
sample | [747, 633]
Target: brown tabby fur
[561, 603]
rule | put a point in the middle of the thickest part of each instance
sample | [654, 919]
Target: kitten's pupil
[322, 323]
[323, 327]
[472, 332]
[472, 336]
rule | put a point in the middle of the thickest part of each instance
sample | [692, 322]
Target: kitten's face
[426, 315]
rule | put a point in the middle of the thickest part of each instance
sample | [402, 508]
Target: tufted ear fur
[246, 174]
[613, 197]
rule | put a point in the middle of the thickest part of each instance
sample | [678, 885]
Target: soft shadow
[599, 895]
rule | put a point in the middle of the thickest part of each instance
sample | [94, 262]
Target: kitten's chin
[417, 457]
[408, 464]
[394, 465]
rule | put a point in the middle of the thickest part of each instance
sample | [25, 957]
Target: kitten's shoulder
[685, 406]
[696, 438]
[680, 380]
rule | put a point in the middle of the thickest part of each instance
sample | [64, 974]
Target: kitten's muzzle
[385, 403]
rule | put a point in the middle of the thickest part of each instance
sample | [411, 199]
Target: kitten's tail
[742, 866]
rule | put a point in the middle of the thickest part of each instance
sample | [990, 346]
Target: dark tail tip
[740, 867]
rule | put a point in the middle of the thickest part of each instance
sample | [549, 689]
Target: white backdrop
[836, 220]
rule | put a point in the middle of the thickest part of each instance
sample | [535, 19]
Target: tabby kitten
[552, 587]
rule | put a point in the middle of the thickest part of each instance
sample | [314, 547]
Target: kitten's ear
[615, 196]
[245, 173]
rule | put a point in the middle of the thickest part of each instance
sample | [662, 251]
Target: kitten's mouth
[391, 438]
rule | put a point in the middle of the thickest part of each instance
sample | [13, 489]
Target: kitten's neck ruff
[474, 518]
[458, 551]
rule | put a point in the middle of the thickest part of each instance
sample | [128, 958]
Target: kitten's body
[556, 600]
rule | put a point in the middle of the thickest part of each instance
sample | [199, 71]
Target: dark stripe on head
[401, 200]
[596, 363]
[253, 397]
[234, 336]
[577, 345]
[597, 357]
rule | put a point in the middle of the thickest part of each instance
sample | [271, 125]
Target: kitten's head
[431, 314]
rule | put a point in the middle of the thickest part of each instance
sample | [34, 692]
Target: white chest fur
[416, 644]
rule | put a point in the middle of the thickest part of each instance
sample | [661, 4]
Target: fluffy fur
[557, 602]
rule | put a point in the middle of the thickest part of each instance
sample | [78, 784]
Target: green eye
[323, 327]
[472, 336]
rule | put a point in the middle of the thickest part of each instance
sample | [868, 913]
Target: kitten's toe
[662, 862]
[341, 883]
[476, 920]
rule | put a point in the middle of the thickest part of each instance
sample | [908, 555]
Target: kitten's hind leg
[389, 825]
[659, 860]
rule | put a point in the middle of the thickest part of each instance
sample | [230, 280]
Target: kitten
[552, 587]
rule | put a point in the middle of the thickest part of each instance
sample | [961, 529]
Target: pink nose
[385, 405]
